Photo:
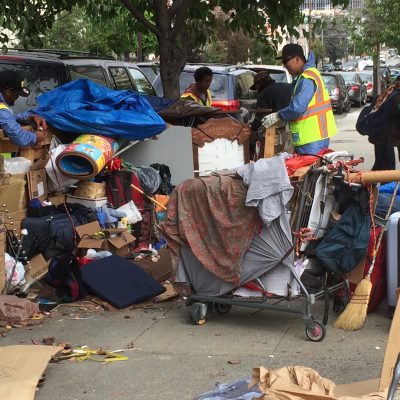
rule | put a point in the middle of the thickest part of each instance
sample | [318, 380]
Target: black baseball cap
[15, 81]
[291, 50]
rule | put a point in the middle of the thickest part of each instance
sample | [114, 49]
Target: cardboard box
[36, 269]
[117, 243]
[2, 260]
[13, 195]
[37, 184]
[13, 221]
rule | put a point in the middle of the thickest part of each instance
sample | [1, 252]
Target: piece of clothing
[309, 113]
[192, 93]
[209, 216]
[269, 187]
[275, 96]
[313, 148]
[384, 157]
[11, 127]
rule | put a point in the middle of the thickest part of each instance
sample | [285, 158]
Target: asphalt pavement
[170, 358]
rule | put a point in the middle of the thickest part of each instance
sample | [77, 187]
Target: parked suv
[338, 92]
[45, 70]
[277, 72]
[230, 87]
[385, 72]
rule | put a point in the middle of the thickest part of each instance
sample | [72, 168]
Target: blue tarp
[82, 106]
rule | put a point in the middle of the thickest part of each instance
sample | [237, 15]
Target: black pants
[384, 157]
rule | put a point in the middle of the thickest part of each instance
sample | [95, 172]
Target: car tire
[339, 108]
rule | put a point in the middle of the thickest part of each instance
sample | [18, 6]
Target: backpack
[345, 245]
[373, 124]
[119, 190]
[65, 276]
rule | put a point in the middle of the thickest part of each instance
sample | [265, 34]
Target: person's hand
[40, 135]
[39, 121]
[270, 120]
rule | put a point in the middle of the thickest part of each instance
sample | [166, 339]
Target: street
[349, 139]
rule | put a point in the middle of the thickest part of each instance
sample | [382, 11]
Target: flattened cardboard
[2, 260]
[13, 195]
[21, 367]
[37, 184]
[36, 269]
[14, 220]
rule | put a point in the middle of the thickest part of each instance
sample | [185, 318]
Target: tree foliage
[179, 25]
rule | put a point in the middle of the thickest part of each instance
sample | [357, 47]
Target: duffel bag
[345, 245]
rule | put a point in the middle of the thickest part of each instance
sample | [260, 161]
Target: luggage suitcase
[378, 276]
[393, 259]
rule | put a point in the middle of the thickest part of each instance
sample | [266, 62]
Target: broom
[354, 315]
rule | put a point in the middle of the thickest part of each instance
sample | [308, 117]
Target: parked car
[230, 87]
[43, 71]
[327, 68]
[150, 69]
[384, 69]
[357, 89]
[277, 72]
[337, 65]
[349, 66]
[338, 92]
[368, 81]
[394, 74]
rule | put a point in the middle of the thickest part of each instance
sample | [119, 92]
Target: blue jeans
[312, 148]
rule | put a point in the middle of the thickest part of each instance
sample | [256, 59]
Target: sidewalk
[174, 360]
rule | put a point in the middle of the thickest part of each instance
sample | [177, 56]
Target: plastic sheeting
[82, 106]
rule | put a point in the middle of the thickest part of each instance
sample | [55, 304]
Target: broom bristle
[353, 316]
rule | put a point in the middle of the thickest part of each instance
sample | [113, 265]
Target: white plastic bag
[17, 165]
[19, 272]
[131, 212]
[58, 180]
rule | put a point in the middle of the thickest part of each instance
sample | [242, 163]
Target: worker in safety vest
[309, 113]
[199, 91]
[11, 87]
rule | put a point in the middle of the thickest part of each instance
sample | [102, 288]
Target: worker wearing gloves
[309, 113]
[199, 91]
[11, 87]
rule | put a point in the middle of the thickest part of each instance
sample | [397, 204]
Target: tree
[336, 39]
[179, 25]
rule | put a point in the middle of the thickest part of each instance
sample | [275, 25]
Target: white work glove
[270, 120]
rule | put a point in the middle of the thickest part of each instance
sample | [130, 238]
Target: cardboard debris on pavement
[21, 368]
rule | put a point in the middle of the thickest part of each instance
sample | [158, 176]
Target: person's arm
[298, 104]
[29, 116]
[18, 136]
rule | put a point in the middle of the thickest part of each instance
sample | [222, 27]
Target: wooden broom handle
[149, 197]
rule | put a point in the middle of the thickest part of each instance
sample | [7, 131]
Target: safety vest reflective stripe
[316, 109]
[3, 106]
[197, 99]
[321, 107]
[318, 121]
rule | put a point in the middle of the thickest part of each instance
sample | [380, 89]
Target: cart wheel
[317, 332]
[198, 313]
[222, 308]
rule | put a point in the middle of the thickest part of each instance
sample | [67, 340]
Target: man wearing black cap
[11, 87]
[271, 94]
[309, 114]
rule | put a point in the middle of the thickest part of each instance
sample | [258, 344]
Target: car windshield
[38, 78]
[329, 80]
[348, 77]
[365, 77]
[348, 64]
[218, 87]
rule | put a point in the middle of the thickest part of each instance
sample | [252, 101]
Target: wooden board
[269, 144]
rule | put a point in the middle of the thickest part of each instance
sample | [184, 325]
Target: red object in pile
[115, 164]
[298, 161]
[378, 276]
